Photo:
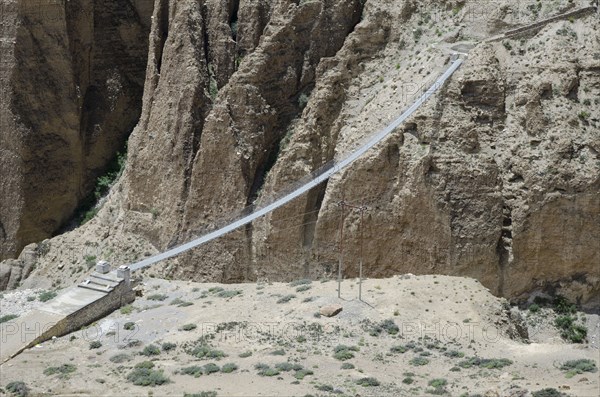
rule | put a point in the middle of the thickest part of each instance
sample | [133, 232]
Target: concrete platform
[74, 308]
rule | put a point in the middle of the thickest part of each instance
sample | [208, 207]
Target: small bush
[157, 297]
[63, 370]
[534, 308]
[168, 346]
[245, 354]
[129, 326]
[194, 370]
[419, 361]
[229, 294]
[368, 382]
[211, 368]
[343, 352]
[303, 288]
[127, 309]
[143, 374]
[301, 373]
[408, 380]
[150, 350]
[549, 392]
[286, 299]
[228, 368]
[120, 358]
[45, 296]
[188, 327]
[399, 349]
[8, 317]
[18, 388]
[201, 394]
[575, 367]
[348, 366]
[265, 370]
[206, 352]
[95, 344]
[278, 352]
[492, 363]
[304, 281]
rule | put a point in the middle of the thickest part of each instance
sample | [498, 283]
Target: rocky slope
[497, 178]
[71, 80]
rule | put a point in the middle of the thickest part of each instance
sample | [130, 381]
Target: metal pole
[360, 271]
[341, 250]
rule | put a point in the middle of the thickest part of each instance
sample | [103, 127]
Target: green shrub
[127, 309]
[303, 288]
[206, 352]
[201, 394]
[399, 349]
[348, 366]
[188, 327]
[245, 354]
[168, 346]
[194, 370]
[302, 372]
[143, 374]
[95, 344]
[120, 358]
[343, 352]
[45, 296]
[549, 392]
[534, 308]
[368, 382]
[408, 380]
[129, 326]
[215, 289]
[8, 317]
[229, 294]
[286, 299]
[157, 297]
[492, 363]
[150, 350]
[18, 388]
[418, 361]
[575, 367]
[228, 368]
[278, 352]
[265, 370]
[211, 368]
[569, 330]
[63, 371]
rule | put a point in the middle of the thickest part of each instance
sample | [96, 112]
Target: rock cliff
[497, 177]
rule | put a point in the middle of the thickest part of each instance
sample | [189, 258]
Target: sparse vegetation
[188, 327]
[157, 297]
[120, 358]
[96, 344]
[576, 367]
[127, 309]
[286, 298]
[206, 352]
[8, 317]
[245, 354]
[492, 363]
[368, 382]
[548, 392]
[45, 296]
[144, 374]
[150, 350]
[168, 346]
[194, 370]
[438, 386]
[343, 352]
[18, 388]
[418, 361]
[129, 326]
[228, 368]
[63, 371]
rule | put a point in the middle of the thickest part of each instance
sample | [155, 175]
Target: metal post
[360, 269]
[342, 204]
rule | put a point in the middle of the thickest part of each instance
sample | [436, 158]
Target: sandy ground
[444, 320]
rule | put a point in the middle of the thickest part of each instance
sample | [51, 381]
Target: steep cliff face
[497, 177]
[71, 86]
